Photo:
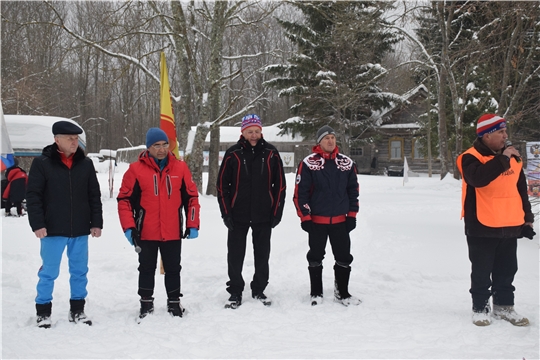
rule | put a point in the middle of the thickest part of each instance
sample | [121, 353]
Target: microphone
[137, 247]
[509, 143]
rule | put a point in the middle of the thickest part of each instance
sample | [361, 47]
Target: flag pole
[167, 123]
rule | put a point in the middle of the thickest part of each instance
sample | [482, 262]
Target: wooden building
[395, 137]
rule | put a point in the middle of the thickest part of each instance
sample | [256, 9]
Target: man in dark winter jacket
[64, 207]
[326, 200]
[251, 192]
[15, 191]
[155, 189]
[497, 212]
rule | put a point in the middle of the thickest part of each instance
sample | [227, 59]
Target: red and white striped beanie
[489, 123]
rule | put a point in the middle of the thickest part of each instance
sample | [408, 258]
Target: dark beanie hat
[65, 128]
[325, 130]
[153, 135]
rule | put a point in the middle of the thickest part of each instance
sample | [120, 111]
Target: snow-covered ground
[411, 271]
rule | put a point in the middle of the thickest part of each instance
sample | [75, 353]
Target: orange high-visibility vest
[498, 204]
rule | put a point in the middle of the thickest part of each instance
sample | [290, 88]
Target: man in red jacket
[155, 189]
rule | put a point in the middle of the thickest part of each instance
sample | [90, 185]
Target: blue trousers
[52, 248]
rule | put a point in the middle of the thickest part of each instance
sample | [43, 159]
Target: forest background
[298, 63]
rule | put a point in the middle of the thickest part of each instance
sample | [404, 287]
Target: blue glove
[129, 236]
[192, 233]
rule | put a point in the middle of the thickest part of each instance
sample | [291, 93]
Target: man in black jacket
[326, 200]
[64, 207]
[251, 190]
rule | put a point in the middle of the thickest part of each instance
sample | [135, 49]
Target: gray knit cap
[325, 130]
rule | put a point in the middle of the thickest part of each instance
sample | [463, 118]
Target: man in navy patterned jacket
[326, 200]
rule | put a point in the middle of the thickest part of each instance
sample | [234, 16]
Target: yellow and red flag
[167, 123]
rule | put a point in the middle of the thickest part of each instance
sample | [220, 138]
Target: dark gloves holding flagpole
[132, 235]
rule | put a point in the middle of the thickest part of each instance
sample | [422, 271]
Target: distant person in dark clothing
[251, 193]
[64, 207]
[15, 191]
[326, 200]
[497, 212]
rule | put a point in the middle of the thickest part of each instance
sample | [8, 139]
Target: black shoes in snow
[43, 312]
[342, 274]
[262, 298]
[147, 307]
[76, 312]
[79, 317]
[44, 321]
[235, 300]
[175, 308]
[341, 286]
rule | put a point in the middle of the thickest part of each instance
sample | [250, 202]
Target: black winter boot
[341, 289]
[175, 308]
[43, 312]
[315, 279]
[76, 312]
[147, 306]
[235, 300]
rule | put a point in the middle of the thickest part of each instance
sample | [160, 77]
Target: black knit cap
[65, 128]
[325, 130]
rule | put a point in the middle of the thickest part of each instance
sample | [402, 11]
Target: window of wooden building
[395, 147]
[417, 149]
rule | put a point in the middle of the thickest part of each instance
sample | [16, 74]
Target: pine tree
[333, 78]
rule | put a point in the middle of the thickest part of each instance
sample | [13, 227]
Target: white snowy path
[411, 271]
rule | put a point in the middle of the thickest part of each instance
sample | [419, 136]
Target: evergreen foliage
[333, 78]
[487, 35]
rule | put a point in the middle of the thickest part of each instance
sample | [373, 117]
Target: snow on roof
[401, 126]
[379, 115]
[34, 132]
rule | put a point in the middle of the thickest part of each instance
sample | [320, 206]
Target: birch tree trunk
[216, 66]
[443, 78]
[184, 119]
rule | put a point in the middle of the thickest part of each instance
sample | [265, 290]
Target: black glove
[307, 226]
[527, 231]
[135, 236]
[228, 221]
[350, 223]
[275, 221]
